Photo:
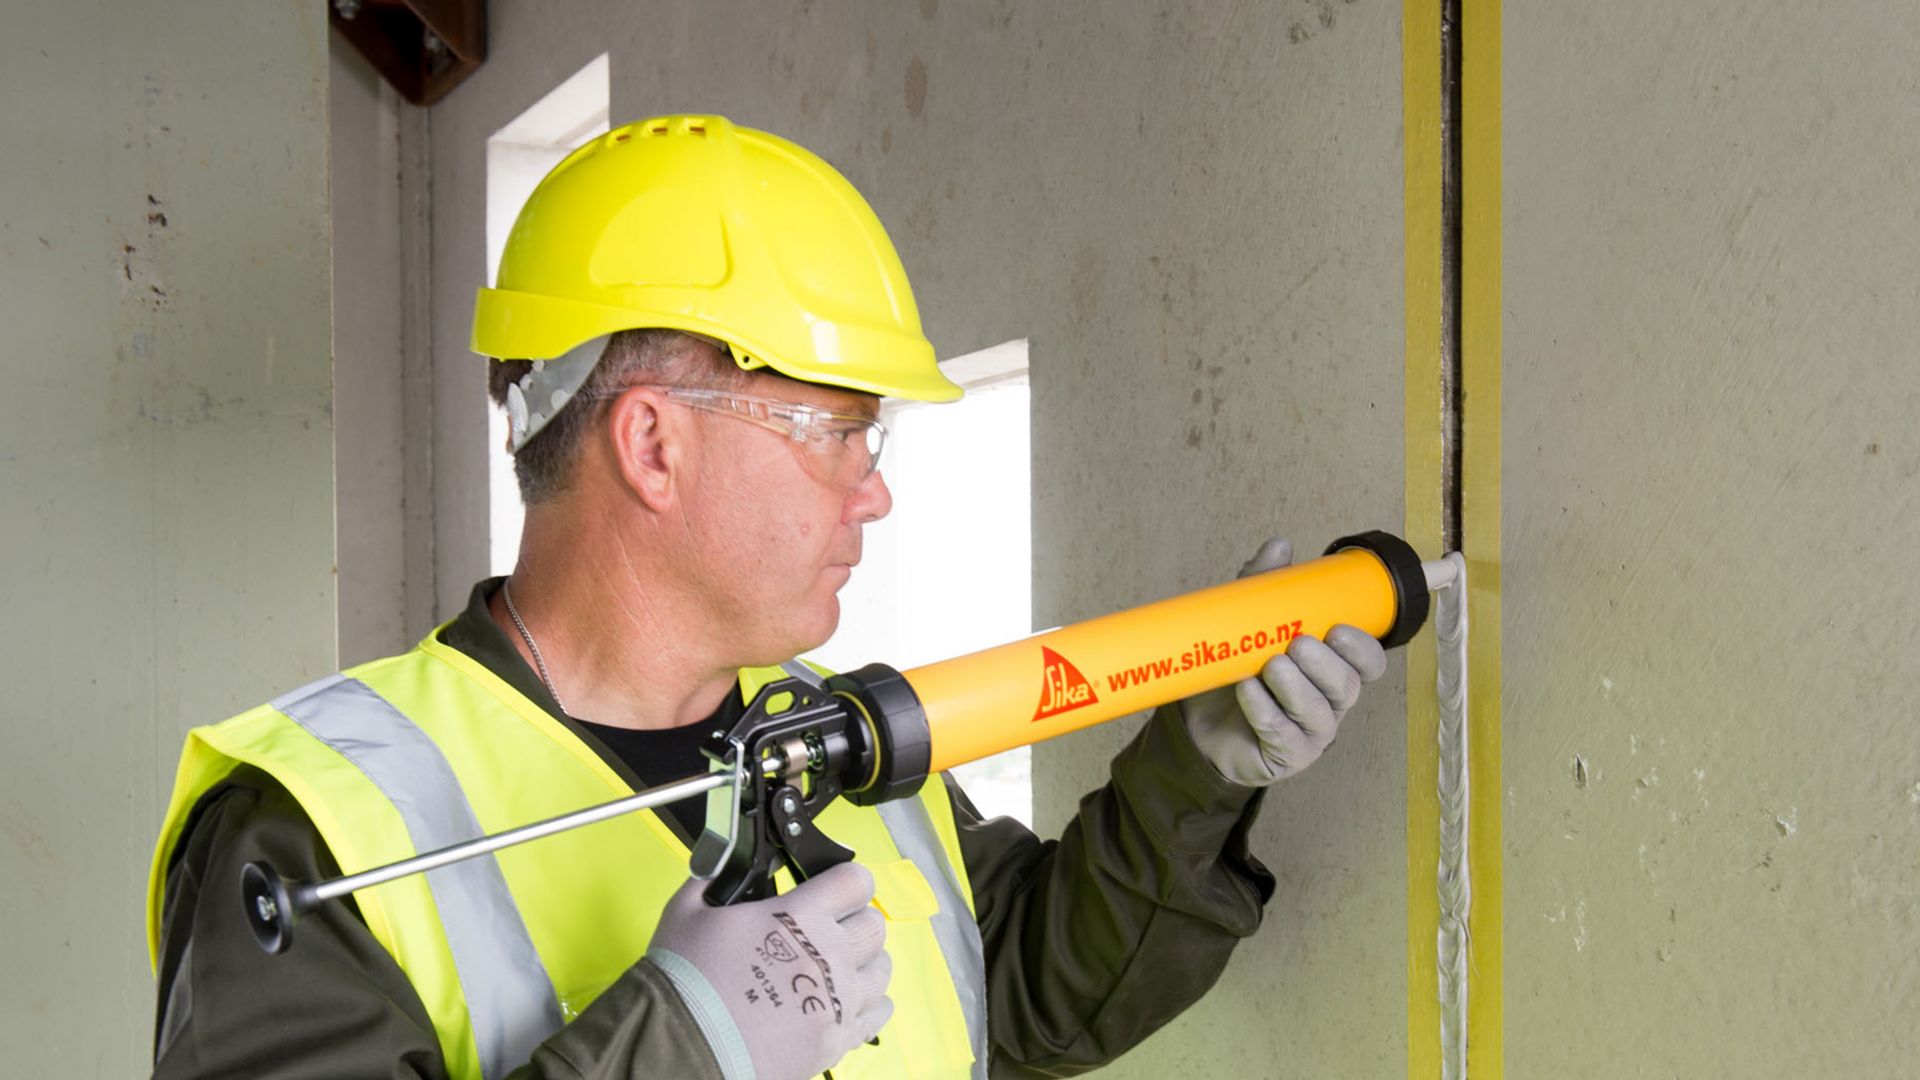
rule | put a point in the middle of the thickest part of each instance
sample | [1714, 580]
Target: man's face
[774, 537]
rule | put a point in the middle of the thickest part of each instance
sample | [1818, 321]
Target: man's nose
[869, 502]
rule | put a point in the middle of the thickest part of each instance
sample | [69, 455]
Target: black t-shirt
[663, 756]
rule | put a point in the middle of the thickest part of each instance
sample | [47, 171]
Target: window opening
[949, 571]
[519, 155]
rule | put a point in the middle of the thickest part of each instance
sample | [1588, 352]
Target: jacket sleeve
[1096, 940]
[335, 1003]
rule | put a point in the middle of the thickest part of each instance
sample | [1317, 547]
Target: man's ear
[647, 439]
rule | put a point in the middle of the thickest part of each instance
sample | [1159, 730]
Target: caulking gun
[875, 734]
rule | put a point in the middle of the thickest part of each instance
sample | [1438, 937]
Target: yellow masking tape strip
[1420, 88]
[1480, 315]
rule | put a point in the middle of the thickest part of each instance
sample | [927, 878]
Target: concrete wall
[1195, 216]
[1712, 796]
[369, 395]
[1711, 592]
[166, 461]
[383, 389]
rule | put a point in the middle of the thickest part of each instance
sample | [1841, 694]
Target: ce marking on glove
[809, 1003]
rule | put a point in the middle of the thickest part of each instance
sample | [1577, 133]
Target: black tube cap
[1411, 601]
[904, 742]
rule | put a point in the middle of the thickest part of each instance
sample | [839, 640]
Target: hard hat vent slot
[696, 129]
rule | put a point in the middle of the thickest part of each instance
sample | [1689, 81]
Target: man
[697, 321]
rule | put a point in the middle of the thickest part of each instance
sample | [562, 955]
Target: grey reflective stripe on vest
[953, 927]
[510, 1001]
[916, 838]
[797, 670]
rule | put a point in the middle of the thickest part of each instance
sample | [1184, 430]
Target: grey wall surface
[1712, 792]
[166, 461]
[1712, 594]
[382, 378]
[369, 394]
[1194, 213]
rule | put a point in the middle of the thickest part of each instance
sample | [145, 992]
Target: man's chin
[818, 628]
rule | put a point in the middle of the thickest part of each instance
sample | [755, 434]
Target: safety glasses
[841, 449]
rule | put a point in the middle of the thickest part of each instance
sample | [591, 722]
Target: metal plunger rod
[306, 897]
[1026, 691]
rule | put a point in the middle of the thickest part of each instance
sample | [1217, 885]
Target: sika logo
[1062, 687]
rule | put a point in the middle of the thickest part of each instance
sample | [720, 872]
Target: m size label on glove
[1062, 687]
[787, 972]
[1202, 654]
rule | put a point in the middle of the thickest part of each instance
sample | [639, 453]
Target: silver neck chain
[539, 662]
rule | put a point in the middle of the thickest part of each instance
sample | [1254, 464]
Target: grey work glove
[1266, 729]
[781, 987]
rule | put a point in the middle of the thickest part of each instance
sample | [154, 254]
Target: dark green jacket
[1092, 942]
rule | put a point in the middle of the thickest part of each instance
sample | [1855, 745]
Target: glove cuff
[716, 1022]
[1194, 807]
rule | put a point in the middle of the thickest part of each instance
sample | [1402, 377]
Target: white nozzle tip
[1441, 572]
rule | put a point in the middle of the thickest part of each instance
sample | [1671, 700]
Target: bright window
[519, 155]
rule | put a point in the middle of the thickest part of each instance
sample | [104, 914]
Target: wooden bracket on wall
[424, 48]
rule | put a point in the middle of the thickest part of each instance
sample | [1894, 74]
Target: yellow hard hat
[691, 223]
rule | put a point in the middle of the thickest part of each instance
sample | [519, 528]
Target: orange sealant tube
[1076, 676]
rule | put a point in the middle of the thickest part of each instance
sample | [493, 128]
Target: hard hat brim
[510, 325]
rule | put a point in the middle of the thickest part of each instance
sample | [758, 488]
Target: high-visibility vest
[427, 748]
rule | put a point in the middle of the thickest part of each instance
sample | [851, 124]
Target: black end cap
[269, 910]
[1411, 600]
[903, 741]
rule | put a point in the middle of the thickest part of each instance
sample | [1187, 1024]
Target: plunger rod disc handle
[272, 903]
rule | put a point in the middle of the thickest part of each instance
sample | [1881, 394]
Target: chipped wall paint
[166, 461]
[1710, 494]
